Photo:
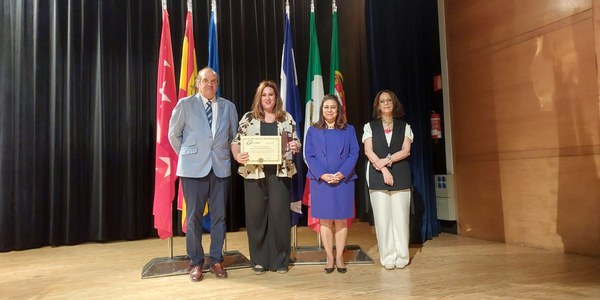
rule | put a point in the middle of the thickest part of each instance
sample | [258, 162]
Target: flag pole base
[178, 265]
[314, 255]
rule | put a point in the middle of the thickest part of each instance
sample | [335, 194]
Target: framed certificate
[262, 150]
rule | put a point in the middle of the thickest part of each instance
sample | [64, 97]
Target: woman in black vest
[387, 142]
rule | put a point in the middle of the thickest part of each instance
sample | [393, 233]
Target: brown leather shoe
[218, 270]
[196, 273]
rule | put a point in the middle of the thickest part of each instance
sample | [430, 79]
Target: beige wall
[524, 92]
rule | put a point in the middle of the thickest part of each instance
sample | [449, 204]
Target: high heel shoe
[341, 270]
[329, 270]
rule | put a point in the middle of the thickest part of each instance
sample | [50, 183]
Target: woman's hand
[387, 177]
[241, 157]
[329, 178]
[294, 147]
[338, 176]
[380, 163]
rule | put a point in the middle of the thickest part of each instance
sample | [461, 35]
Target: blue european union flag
[213, 45]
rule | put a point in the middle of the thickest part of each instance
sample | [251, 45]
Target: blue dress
[330, 151]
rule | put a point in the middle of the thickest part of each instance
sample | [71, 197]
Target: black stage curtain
[78, 86]
[77, 111]
[404, 58]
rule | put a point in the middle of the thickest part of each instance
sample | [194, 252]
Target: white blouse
[368, 133]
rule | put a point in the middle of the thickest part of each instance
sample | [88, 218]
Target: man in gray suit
[201, 129]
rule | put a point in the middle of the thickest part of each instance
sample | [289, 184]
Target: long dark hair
[397, 112]
[340, 120]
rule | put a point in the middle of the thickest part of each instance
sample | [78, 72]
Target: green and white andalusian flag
[314, 96]
[314, 77]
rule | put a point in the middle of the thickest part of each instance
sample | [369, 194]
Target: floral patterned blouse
[251, 126]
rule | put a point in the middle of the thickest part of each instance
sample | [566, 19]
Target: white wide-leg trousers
[391, 211]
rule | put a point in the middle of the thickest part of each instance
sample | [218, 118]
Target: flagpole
[164, 178]
[313, 107]
[294, 232]
[232, 259]
[311, 113]
[170, 243]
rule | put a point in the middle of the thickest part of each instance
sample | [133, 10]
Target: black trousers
[268, 221]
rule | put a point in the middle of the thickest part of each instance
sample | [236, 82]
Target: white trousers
[391, 211]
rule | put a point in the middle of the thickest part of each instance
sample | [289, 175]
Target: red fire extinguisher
[436, 125]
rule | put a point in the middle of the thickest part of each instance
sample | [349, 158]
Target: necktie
[209, 112]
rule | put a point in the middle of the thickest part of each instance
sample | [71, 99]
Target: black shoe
[341, 270]
[329, 270]
[258, 270]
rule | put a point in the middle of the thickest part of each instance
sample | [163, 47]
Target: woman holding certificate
[267, 168]
[331, 152]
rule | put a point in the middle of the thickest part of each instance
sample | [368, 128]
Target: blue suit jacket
[192, 139]
[315, 153]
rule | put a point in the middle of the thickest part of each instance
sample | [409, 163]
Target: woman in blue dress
[331, 152]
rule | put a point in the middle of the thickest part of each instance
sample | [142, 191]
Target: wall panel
[480, 24]
[526, 121]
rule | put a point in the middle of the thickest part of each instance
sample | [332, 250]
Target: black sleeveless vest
[401, 169]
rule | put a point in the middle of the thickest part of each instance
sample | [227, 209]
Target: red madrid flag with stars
[166, 158]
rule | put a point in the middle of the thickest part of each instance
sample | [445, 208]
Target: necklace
[330, 126]
[388, 127]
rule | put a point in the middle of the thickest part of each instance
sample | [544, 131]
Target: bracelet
[389, 158]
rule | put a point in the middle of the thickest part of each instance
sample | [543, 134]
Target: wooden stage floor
[449, 267]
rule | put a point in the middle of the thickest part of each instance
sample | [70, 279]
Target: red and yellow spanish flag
[187, 86]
